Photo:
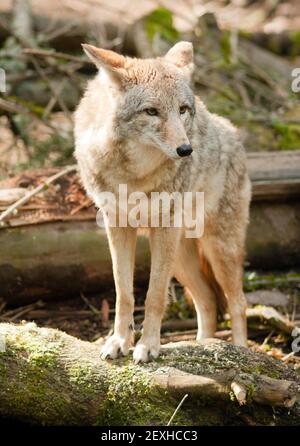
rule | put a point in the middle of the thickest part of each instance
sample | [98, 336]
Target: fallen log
[273, 318]
[49, 377]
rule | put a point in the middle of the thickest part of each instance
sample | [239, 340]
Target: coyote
[140, 124]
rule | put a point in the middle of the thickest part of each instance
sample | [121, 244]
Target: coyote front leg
[163, 243]
[122, 243]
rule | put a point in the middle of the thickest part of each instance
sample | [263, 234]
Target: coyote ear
[113, 63]
[182, 55]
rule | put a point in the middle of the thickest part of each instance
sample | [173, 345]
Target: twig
[55, 92]
[200, 80]
[64, 29]
[61, 313]
[28, 75]
[105, 313]
[267, 338]
[86, 203]
[240, 392]
[33, 207]
[42, 314]
[288, 356]
[178, 336]
[2, 306]
[264, 76]
[69, 72]
[177, 409]
[275, 282]
[57, 55]
[271, 317]
[91, 307]
[11, 209]
[54, 99]
[13, 108]
[12, 315]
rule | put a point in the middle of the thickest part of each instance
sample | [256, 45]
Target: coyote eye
[151, 111]
[183, 109]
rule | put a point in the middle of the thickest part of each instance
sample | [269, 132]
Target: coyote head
[152, 100]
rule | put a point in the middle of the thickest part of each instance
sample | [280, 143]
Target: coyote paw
[115, 346]
[146, 351]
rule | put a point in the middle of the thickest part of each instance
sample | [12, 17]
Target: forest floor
[91, 317]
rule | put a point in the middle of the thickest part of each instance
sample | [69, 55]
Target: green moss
[288, 135]
[132, 399]
[253, 281]
[265, 370]
[260, 137]
[160, 22]
[80, 373]
[34, 108]
[221, 359]
[232, 396]
[250, 391]
[179, 309]
[37, 362]
[3, 370]
[225, 46]
[294, 37]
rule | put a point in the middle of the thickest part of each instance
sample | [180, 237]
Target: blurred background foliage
[245, 52]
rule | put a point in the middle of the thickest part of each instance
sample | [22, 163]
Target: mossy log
[48, 377]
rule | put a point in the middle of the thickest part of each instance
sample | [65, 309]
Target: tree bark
[48, 377]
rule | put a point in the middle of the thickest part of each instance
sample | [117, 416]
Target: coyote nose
[184, 150]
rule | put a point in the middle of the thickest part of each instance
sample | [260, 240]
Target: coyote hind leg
[187, 271]
[227, 263]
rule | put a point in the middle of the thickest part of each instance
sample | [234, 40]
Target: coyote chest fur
[140, 125]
